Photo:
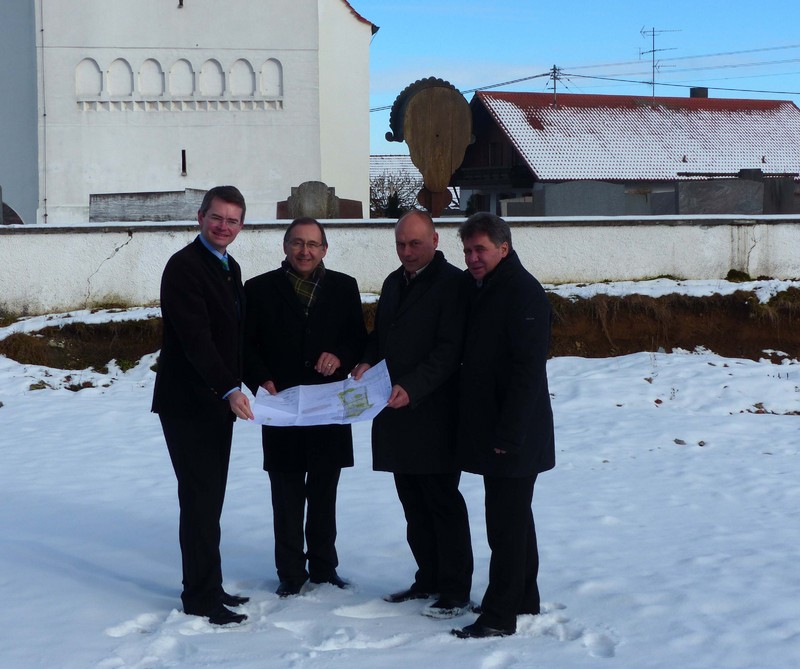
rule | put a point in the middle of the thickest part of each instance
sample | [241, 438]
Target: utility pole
[555, 75]
[652, 33]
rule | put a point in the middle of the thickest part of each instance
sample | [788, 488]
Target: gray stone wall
[721, 196]
[138, 207]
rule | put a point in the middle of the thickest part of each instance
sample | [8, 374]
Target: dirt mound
[84, 345]
[736, 326]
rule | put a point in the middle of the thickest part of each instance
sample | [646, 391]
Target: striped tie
[224, 261]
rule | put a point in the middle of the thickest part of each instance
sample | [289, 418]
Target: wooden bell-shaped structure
[435, 120]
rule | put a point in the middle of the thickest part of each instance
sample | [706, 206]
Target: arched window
[181, 79]
[120, 78]
[151, 79]
[243, 79]
[88, 79]
[272, 79]
[212, 79]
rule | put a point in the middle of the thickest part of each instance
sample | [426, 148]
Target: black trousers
[437, 529]
[313, 495]
[514, 562]
[200, 452]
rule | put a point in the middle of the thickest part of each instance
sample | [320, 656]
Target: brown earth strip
[736, 326]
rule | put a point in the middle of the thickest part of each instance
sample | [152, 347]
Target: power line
[647, 83]
[480, 88]
[707, 55]
[651, 82]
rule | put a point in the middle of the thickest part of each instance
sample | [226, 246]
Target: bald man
[419, 327]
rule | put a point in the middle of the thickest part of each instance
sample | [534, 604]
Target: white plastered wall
[40, 273]
[344, 100]
[125, 137]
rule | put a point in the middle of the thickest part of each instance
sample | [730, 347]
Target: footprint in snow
[145, 623]
[599, 644]
[373, 609]
[498, 660]
[324, 638]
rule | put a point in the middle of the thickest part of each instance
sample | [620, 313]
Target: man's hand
[327, 364]
[399, 398]
[269, 386]
[359, 369]
[240, 405]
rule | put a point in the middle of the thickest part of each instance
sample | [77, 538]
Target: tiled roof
[394, 166]
[630, 138]
[361, 18]
[390, 165]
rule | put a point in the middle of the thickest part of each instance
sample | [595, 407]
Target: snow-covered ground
[668, 532]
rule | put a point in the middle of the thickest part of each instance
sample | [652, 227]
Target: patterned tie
[224, 261]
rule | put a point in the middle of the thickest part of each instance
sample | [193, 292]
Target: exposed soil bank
[735, 326]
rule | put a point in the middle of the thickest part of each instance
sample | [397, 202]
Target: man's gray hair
[494, 227]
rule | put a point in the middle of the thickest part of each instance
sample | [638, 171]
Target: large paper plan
[341, 402]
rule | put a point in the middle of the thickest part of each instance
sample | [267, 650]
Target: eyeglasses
[229, 223]
[299, 245]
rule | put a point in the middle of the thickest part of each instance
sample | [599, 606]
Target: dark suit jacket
[504, 397]
[420, 337]
[283, 344]
[201, 354]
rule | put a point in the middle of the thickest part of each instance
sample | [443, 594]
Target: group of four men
[466, 354]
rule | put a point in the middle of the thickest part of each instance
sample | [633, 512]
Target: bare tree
[393, 193]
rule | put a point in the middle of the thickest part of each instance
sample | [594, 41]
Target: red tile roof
[361, 18]
[621, 137]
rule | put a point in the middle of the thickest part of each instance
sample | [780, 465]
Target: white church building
[147, 98]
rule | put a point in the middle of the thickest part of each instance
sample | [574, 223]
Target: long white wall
[56, 268]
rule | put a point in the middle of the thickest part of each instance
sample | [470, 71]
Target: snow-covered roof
[394, 167]
[636, 138]
[384, 165]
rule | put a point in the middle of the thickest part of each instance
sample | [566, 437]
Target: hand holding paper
[338, 403]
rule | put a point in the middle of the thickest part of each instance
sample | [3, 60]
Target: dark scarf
[305, 289]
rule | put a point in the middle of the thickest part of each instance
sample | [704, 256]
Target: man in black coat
[305, 326]
[197, 392]
[506, 422]
[418, 330]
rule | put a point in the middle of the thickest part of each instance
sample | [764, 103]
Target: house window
[183, 162]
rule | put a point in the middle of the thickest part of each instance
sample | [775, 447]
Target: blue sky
[715, 43]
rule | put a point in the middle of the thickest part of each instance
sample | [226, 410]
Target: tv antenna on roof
[652, 32]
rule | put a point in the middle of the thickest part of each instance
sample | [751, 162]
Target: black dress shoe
[406, 595]
[233, 600]
[289, 588]
[446, 607]
[480, 631]
[218, 615]
[336, 580]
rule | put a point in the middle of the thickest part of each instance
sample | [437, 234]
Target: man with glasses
[305, 326]
[197, 392]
